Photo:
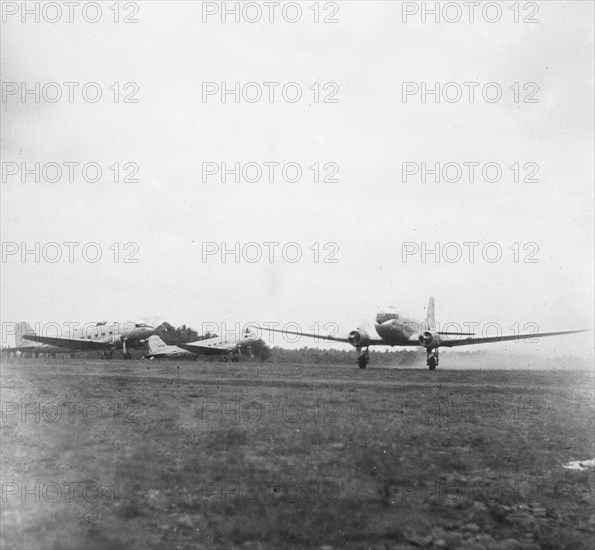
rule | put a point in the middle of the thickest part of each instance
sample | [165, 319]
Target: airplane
[210, 345]
[28, 348]
[96, 337]
[399, 329]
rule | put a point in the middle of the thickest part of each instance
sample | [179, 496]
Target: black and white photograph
[297, 275]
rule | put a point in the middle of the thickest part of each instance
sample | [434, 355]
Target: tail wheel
[432, 362]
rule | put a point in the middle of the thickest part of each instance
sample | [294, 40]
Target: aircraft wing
[489, 339]
[199, 349]
[74, 344]
[373, 341]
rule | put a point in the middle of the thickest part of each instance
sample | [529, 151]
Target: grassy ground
[137, 454]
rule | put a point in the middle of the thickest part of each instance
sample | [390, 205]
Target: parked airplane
[97, 337]
[27, 347]
[398, 329]
[209, 347]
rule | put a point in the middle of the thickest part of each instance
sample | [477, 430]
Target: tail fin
[430, 319]
[156, 344]
[21, 329]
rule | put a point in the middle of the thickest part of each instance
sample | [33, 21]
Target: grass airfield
[188, 455]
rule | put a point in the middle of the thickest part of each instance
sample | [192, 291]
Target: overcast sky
[369, 133]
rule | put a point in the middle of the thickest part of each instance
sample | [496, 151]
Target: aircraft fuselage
[398, 329]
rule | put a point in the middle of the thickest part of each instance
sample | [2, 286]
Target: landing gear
[432, 361]
[363, 358]
[125, 352]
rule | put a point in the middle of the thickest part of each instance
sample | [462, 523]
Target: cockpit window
[384, 317]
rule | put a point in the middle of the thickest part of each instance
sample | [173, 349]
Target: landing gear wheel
[363, 359]
[432, 359]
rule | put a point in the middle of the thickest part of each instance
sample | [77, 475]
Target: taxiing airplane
[210, 346]
[95, 337]
[398, 329]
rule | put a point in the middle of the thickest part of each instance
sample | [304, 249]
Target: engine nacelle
[359, 338]
[429, 340]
